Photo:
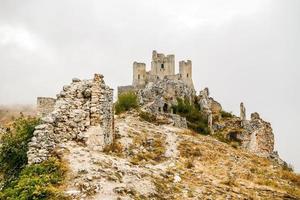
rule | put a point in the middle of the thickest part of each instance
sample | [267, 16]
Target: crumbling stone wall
[80, 106]
[260, 136]
[45, 105]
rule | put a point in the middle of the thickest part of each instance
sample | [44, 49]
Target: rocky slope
[148, 161]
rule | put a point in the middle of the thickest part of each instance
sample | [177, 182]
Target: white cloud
[19, 37]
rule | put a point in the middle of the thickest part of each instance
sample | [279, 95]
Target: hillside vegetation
[146, 161]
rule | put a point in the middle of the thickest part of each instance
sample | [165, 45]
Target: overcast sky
[242, 50]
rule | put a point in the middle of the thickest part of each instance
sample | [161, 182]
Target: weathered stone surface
[79, 106]
[160, 96]
[242, 113]
[45, 105]
[261, 136]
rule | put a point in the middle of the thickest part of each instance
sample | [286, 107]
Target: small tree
[196, 120]
[13, 150]
[126, 101]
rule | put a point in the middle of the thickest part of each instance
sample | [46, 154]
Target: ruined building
[83, 111]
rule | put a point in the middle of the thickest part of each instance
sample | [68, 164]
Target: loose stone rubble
[79, 107]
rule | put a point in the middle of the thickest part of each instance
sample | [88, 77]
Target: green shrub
[225, 114]
[13, 151]
[38, 181]
[191, 111]
[126, 101]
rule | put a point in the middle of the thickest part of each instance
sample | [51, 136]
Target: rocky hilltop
[160, 140]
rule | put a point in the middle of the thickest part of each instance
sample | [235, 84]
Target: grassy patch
[39, 181]
[225, 114]
[126, 102]
[13, 151]
[166, 188]
[148, 150]
[115, 148]
[189, 150]
[147, 117]
[195, 119]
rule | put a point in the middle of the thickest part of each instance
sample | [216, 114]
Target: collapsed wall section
[79, 106]
[259, 137]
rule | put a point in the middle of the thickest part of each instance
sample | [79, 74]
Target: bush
[126, 101]
[13, 151]
[39, 181]
[225, 114]
[195, 119]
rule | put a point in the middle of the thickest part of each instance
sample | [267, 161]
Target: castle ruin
[162, 68]
[83, 111]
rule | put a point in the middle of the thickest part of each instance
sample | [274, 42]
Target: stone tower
[139, 74]
[185, 72]
[162, 65]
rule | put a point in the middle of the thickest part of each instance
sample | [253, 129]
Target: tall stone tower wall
[139, 74]
[162, 65]
[185, 71]
[82, 106]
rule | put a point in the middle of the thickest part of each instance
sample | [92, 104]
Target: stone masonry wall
[80, 106]
[45, 105]
[261, 137]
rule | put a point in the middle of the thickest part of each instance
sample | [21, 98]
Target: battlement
[160, 57]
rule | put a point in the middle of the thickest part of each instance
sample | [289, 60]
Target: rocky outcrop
[261, 136]
[160, 96]
[255, 135]
[207, 104]
[80, 106]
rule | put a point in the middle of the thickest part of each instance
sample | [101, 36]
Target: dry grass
[10, 113]
[291, 177]
[189, 149]
[149, 149]
[166, 188]
[116, 148]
